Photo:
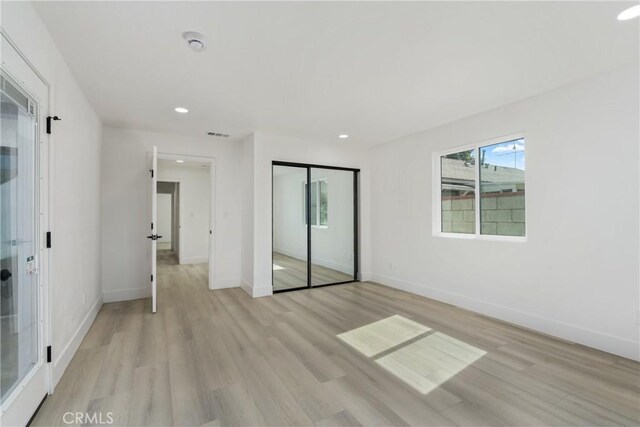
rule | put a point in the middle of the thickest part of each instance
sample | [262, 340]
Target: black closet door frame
[356, 241]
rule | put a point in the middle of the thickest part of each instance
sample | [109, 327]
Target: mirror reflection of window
[319, 203]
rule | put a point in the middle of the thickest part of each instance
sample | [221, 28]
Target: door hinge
[49, 119]
[152, 277]
[152, 226]
[48, 239]
[151, 170]
[49, 354]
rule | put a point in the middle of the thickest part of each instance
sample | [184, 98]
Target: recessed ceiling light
[180, 161]
[181, 110]
[343, 136]
[632, 12]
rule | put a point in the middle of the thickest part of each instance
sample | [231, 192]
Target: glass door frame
[27, 397]
[356, 234]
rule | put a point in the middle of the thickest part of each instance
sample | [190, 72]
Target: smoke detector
[196, 41]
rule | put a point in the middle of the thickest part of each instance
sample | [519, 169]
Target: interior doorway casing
[309, 256]
[211, 162]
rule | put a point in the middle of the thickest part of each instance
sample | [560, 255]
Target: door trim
[211, 161]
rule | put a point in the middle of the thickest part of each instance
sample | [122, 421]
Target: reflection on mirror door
[314, 226]
[332, 226]
[18, 282]
[289, 228]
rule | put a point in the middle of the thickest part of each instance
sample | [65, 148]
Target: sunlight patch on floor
[376, 337]
[430, 361]
[277, 267]
[423, 362]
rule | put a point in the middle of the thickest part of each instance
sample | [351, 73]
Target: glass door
[290, 251]
[23, 380]
[333, 226]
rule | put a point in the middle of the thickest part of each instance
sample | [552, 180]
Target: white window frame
[304, 201]
[437, 193]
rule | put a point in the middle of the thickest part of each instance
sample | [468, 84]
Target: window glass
[458, 184]
[502, 209]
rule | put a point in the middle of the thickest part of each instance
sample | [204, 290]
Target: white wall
[332, 246]
[126, 251]
[577, 275]
[247, 146]
[270, 147]
[194, 201]
[164, 217]
[76, 292]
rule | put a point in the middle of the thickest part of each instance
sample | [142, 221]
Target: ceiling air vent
[219, 135]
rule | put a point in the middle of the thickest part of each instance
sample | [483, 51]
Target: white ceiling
[374, 70]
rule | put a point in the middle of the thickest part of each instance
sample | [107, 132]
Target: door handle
[4, 275]
[154, 237]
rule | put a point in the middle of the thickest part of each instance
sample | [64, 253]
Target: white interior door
[23, 223]
[154, 227]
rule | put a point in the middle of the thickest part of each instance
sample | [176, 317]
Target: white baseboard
[228, 282]
[61, 362]
[246, 287]
[194, 260]
[126, 294]
[256, 292]
[262, 292]
[605, 342]
[365, 277]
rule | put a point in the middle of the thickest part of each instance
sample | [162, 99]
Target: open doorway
[168, 222]
[184, 225]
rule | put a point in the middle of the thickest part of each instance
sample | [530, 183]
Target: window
[482, 190]
[319, 203]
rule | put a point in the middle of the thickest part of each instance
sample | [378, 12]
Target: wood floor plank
[311, 395]
[100, 411]
[366, 409]
[623, 401]
[221, 358]
[464, 414]
[272, 397]
[316, 362]
[151, 396]
[414, 408]
[379, 336]
[594, 414]
[234, 406]
[341, 419]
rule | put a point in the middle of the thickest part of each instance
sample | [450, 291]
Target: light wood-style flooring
[289, 272]
[221, 358]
